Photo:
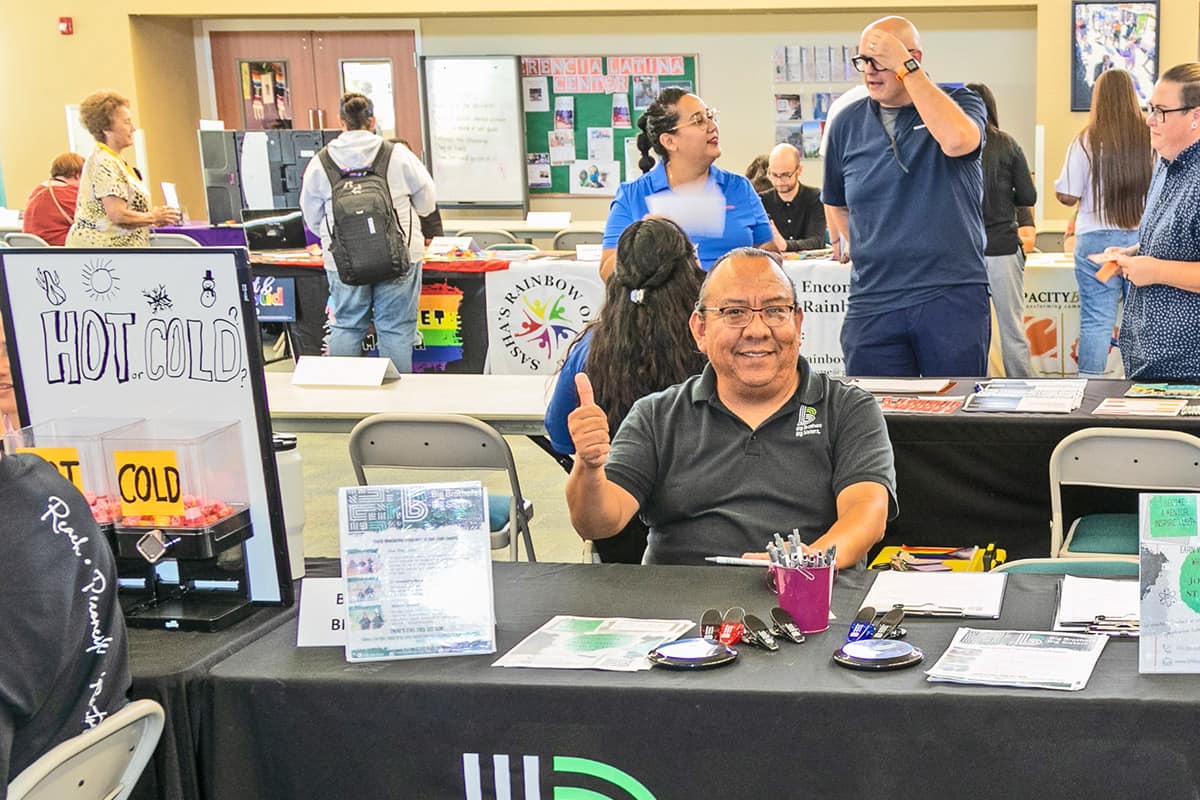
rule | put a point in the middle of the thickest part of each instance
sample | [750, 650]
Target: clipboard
[977, 595]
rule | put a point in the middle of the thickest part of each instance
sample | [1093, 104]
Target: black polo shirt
[801, 221]
[707, 484]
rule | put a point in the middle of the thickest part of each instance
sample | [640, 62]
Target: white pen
[739, 562]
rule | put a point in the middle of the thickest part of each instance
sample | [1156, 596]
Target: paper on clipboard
[940, 594]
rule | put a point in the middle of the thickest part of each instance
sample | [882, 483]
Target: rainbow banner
[440, 327]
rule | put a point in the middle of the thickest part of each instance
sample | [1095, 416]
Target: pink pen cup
[804, 592]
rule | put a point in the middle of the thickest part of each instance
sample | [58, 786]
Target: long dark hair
[662, 116]
[1117, 143]
[641, 342]
[989, 103]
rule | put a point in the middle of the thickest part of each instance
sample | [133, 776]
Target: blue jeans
[1097, 301]
[946, 336]
[394, 306]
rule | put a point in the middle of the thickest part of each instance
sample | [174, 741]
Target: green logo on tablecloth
[571, 765]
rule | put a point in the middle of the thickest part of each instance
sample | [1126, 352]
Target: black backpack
[366, 239]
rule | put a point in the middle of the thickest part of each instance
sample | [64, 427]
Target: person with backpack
[364, 197]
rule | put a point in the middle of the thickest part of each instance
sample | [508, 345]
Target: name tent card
[322, 620]
[343, 371]
[417, 566]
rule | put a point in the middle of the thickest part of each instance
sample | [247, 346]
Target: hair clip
[637, 295]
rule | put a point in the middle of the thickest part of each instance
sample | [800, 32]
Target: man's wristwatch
[907, 68]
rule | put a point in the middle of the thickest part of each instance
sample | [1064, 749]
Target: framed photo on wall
[1108, 36]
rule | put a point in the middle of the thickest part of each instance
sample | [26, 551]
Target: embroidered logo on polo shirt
[806, 423]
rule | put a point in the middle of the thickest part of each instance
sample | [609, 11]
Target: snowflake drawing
[158, 298]
[1168, 597]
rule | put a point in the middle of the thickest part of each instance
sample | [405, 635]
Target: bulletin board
[154, 334]
[603, 93]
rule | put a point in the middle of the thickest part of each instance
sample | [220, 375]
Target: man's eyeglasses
[1159, 115]
[700, 119]
[741, 316]
[860, 63]
[781, 176]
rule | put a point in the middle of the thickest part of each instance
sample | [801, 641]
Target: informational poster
[595, 177]
[1169, 544]
[536, 94]
[156, 334]
[417, 564]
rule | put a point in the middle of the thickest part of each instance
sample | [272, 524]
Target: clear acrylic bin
[75, 447]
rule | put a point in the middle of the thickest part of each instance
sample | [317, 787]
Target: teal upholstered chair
[1114, 567]
[1122, 458]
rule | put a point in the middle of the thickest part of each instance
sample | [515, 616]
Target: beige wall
[1020, 47]
[734, 62]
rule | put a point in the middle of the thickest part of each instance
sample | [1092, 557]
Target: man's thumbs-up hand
[588, 426]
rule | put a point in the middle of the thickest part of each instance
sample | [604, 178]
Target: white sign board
[158, 334]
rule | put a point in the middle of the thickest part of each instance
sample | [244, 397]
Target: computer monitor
[274, 228]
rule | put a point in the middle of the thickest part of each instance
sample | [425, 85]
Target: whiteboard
[476, 130]
[158, 334]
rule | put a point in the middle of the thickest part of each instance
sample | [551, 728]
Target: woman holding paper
[113, 209]
[719, 210]
[1160, 329]
[639, 344]
[1106, 174]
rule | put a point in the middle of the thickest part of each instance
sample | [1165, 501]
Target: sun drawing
[100, 279]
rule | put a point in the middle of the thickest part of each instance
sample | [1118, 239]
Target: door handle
[311, 122]
[321, 118]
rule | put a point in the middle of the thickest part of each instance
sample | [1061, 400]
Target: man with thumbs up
[758, 443]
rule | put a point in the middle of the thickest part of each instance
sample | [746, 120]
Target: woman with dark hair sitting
[683, 131]
[50, 209]
[640, 344]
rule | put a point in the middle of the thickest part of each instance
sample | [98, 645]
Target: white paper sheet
[939, 594]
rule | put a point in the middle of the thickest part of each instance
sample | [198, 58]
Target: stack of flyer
[1039, 395]
[1028, 659]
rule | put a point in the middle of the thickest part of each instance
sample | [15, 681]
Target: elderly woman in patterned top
[113, 209]
[1160, 329]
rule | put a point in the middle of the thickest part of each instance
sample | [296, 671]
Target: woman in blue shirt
[1160, 328]
[639, 344]
[683, 131]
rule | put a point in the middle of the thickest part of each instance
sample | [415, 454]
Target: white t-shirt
[1076, 180]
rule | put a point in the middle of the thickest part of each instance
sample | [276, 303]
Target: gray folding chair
[444, 442]
[568, 239]
[1123, 458]
[103, 763]
[488, 236]
[25, 240]
[172, 240]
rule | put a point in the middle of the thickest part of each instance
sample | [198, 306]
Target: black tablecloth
[973, 477]
[303, 723]
[168, 666]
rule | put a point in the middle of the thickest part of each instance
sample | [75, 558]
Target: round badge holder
[878, 654]
[693, 653]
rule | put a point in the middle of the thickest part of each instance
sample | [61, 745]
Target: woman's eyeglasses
[700, 119]
[1159, 115]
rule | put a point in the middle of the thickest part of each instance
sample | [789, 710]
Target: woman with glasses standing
[1107, 173]
[719, 210]
[1160, 328]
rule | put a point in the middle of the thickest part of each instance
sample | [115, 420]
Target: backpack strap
[382, 157]
[332, 171]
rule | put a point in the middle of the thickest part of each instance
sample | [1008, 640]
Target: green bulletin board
[591, 82]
